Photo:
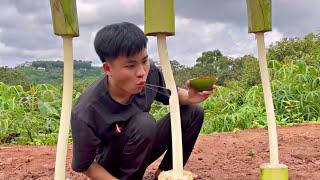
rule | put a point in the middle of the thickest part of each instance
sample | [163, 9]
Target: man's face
[129, 74]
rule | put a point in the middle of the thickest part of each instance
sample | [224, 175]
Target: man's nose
[141, 71]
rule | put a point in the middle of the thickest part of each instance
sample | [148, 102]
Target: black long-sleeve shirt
[95, 115]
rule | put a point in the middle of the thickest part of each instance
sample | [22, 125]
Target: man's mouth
[141, 83]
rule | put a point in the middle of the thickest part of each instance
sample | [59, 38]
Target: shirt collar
[113, 105]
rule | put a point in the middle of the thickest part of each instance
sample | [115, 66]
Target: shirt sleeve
[85, 144]
[163, 94]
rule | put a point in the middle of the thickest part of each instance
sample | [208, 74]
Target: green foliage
[47, 65]
[246, 70]
[158, 110]
[12, 76]
[40, 76]
[82, 85]
[30, 117]
[296, 88]
[212, 63]
[296, 96]
[294, 69]
[228, 109]
[307, 49]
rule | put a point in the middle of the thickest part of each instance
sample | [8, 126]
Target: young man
[114, 136]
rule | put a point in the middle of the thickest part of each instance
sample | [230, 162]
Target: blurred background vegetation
[30, 94]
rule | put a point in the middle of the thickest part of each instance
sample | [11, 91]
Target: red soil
[219, 156]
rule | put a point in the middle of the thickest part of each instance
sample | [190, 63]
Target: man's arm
[97, 172]
[183, 96]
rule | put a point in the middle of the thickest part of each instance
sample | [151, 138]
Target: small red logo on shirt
[119, 128]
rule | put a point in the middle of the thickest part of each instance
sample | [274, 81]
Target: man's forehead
[137, 58]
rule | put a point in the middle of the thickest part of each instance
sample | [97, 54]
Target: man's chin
[136, 91]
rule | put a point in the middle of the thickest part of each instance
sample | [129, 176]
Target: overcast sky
[26, 32]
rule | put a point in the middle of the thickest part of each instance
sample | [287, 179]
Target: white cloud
[273, 36]
[87, 12]
[83, 46]
[132, 4]
[5, 49]
[26, 30]
[193, 37]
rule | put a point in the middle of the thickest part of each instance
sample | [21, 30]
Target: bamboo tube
[159, 22]
[64, 17]
[65, 24]
[260, 21]
[259, 15]
[159, 17]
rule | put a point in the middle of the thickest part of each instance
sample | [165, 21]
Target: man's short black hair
[124, 39]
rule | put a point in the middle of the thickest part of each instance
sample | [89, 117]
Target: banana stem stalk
[61, 154]
[272, 129]
[174, 107]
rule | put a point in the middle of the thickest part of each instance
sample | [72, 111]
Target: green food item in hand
[203, 83]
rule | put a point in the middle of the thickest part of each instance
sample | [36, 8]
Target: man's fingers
[188, 84]
[214, 87]
[206, 92]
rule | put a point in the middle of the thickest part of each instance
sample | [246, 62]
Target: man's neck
[116, 93]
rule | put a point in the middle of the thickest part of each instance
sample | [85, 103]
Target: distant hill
[49, 72]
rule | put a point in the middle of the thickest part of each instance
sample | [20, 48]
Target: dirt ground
[219, 156]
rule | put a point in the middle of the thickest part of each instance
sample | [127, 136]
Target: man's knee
[199, 113]
[192, 114]
[198, 110]
[143, 126]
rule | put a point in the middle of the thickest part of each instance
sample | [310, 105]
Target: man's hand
[192, 96]
[196, 96]
[97, 172]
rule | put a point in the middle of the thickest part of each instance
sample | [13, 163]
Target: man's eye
[130, 66]
[145, 61]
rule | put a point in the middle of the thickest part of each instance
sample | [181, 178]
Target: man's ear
[107, 68]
